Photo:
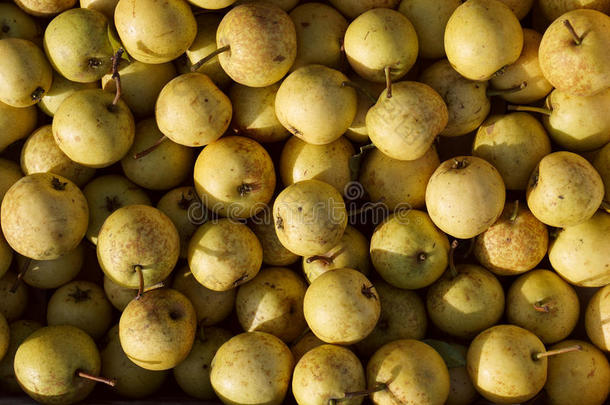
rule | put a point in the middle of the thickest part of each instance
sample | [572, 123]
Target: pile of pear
[284, 201]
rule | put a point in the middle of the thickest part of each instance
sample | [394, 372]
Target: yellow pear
[520, 7]
[553, 9]
[9, 174]
[61, 89]
[105, 7]
[47, 274]
[597, 319]
[353, 8]
[16, 123]
[16, 23]
[44, 8]
[19, 331]
[274, 253]
[182, 207]
[602, 165]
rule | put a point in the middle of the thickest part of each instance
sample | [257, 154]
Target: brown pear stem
[388, 81]
[515, 212]
[220, 50]
[24, 269]
[541, 308]
[154, 146]
[357, 394]
[452, 269]
[138, 269]
[360, 89]
[107, 381]
[324, 259]
[499, 92]
[577, 38]
[569, 349]
[116, 76]
[606, 205]
[528, 108]
[155, 286]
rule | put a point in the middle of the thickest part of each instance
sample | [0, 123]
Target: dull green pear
[181, 206]
[47, 274]
[19, 331]
[16, 123]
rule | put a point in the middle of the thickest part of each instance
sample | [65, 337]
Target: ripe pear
[26, 73]
[61, 88]
[158, 330]
[15, 23]
[12, 304]
[514, 144]
[16, 123]
[553, 9]
[261, 364]
[193, 374]
[429, 20]
[525, 69]
[328, 373]
[309, 217]
[212, 4]
[141, 84]
[601, 164]
[573, 55]
[224, 254]
[118, 296]
[502, 366]
[234, 177]
[180, 205]
[92, 130]
[408, 251]
[407, 371]
[274, 253]
[597, 319]
[320, 30]
[155, 31]
[367, 96]
[315, 105]
[19, 331]
[44, 8]
[192, 111]
[262, 27]
[341, 306]
[9, 174]
[481, 37]
[77, 45]
[564, 190]
[6, 255]
[455, 195]
[105, 7]
[105, 194]
[48, 274]
[304, 344]
[353, 8]
[40, 154]
[381, 43]
[132, 381]
[329, 163]
[44, 216]
[404, 125]
[520, 7]
[138, 246]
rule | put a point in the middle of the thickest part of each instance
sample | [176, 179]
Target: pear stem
[155, 286]
[515, 212]
[569, 349]
[452, 269]
[606, 205]
[570, 27]
[24, 269]
[360, 89]
[116, 76]
[499, 92]
[107, 381]
[138, 269]
[356, 160]
[539, 307]
[388, 81]
[154, 146]
[540, 110]
[324, 259]
[197, 65]
[357, 394]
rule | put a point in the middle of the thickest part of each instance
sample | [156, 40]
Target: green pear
[77, 45]
[341, 306]
[262, 44]
[353, 8]
[601, 164]
[274, 253]
[574, 54]
[61, 88]
[367, 96]
[16, 123]
[46, 8]
[118, 296]
[481, 37]
[26, 73]
[158, 330]
[19, 331]
[155, 31]
[44, 216]
[564, 190]
[181, 205]
[105, 7]
[314, 104]
[553, 9]
[597, 319]
[15, 23]
[461, 390]
[405, 125]
[6, 255]
[12, 303]
[48, 274]
[10, 172]
[304, 344]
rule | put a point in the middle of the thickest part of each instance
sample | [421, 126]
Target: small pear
[553, 9]
[353, 8]
[368, 93]
[16, 123]
[601, 164]
[520, 7]
[6, 255]
[105, 7]
[9, 174]
[212, 4]
[61, 89]
[304, 344]
[181, 206]
[48, 274]
[44, 8]
[19, 331]
[597, 319]
[118, 296]
[15, 23]
[274, 253]
[13, 303]
[461, 390]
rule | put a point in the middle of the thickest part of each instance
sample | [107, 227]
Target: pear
[403, 316]
[16, 123]
[553, 9]
[404, 125]
[274, 43]
[341, 307]
[514, 144]
[105, 7]
[180, 205]
[193, 374]
[26, 73]
[564, 190]
[272, 302]
[314, 104]
[210, 306]
[92, 129]
[381, 44]
[155, 31]
[597, 316]
[429, 20]
[212, 4]
[353, 8]
[514, 244]
[13, 302]
[164, 167]
[481, 37]
[44, 216]
[158, 330]
[328, 373]
[455, 195]
[310, 217]
[397, 183]
[408, 251]
[573, 54]
[40, 154]
[105, 194]
[254, 113]
[351, 252]
[304, 344]
[141, 84]
[367, 96]
[274, 253]
[48, 274]
[51, 371]
[61, 88]
[6, 255]
[525, 69]
[285, 5]
[15, 23]
[10, 173]
[320, 30]
[520, 7]
[601, 164]
[329, 163]
[223, 254]
[77, 45]
[19, 331]
[138, 246]
[461, 390]
[4, 337]
[541, 302]
[407, 371]
[118, 296]
[44, 8]
[192, 111]
[260, 362]
[234, 177]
